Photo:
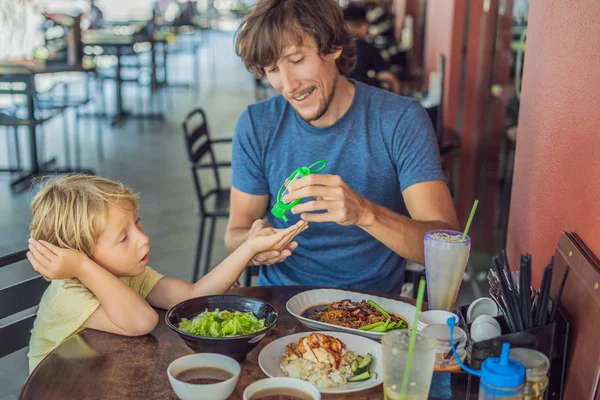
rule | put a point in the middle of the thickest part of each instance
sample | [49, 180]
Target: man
[383, 186]
[370, 66]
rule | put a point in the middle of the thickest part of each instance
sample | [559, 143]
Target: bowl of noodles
[351, 312]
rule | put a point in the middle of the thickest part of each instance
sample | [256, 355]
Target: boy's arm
[122, 311]
[169, 292]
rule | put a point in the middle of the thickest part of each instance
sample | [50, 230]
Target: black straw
[511, 280]
[542, 311]
[528, 284]
[523, 291]
[513, 316]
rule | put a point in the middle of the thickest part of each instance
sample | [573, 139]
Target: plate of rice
[334, 362]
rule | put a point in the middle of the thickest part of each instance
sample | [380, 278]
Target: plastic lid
[503, 372]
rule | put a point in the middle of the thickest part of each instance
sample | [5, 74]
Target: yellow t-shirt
[64, 308]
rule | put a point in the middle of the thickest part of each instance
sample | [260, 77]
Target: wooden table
[99, 365]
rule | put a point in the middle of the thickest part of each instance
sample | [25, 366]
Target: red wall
[557, 168]
[444, 24]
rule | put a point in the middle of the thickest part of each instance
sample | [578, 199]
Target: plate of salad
[225, 324]
[222, 323]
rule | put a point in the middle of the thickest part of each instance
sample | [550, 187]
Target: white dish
[435, 317]
[283, 383]
[485, 327]
[215, 391]
[482, 306]
[269, 359]
[298, 304]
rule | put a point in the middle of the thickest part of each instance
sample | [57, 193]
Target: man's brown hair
[275, 24]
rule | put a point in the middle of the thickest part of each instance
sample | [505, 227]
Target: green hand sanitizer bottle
[281, 208]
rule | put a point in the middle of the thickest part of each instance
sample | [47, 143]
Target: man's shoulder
[386, 102]
[269, 108]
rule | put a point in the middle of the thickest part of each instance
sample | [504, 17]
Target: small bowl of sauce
[204, 376]
[281, 389]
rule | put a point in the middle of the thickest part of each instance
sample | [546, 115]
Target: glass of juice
[446, 257]
[395, 351]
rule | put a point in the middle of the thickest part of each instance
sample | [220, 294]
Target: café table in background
[24, 73]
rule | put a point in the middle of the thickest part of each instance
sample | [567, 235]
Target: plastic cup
[446, 257]
[395, 351]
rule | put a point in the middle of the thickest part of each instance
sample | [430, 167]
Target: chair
[15, 299]
[213, 204]
[10, 121]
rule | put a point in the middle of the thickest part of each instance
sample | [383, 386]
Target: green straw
[464, 236]
[413, 339]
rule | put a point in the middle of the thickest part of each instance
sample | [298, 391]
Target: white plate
[302, 301]
[269, 359]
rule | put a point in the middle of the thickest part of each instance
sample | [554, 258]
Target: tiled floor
[150, 157]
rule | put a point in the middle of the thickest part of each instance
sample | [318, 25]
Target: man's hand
[54, 262]
[331, 193]
[277, 254]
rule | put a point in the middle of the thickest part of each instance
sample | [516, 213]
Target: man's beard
[323, 106]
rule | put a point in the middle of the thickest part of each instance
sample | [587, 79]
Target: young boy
[87, 239]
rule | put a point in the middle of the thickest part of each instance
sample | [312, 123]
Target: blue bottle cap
[502, 372]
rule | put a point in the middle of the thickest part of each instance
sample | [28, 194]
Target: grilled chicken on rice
[319, 359]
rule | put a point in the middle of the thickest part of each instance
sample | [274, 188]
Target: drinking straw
[413, 339]
[528, 285]
[473, 209]
[559, 294]
[511, 279]
[513, 293]
[523, 290]
[542, 312]
[513, 316]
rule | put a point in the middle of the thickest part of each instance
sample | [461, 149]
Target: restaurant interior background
[464, 59]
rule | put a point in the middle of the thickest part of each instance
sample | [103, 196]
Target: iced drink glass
[446, 256]
[395, 352]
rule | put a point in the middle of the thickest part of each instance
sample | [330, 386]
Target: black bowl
[234, 346]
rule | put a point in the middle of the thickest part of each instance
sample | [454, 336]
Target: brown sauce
[203, 375]
[281, 394]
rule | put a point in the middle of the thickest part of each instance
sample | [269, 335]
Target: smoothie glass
[446, 257]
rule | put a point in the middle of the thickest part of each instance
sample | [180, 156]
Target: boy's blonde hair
[71, 211]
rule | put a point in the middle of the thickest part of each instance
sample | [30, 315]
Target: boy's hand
[265, 238]
[54, 262]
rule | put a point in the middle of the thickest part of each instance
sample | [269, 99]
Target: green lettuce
[222, 324]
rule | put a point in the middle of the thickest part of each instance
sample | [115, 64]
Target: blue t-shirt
[382, 145]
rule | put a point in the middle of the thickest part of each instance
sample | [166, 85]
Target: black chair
[214, 203]
[14, 299]
[12, 122]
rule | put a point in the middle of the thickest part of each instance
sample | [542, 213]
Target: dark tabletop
[100, 365]
[27, 68]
